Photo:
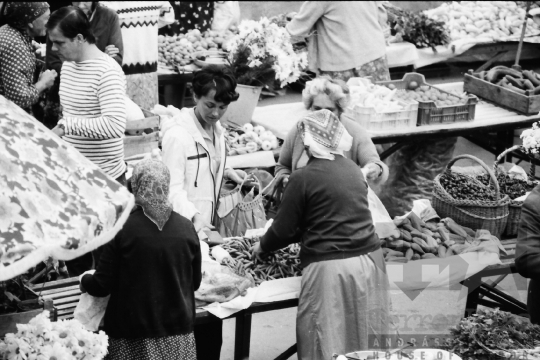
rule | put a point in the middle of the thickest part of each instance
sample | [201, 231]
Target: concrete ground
[431, 312]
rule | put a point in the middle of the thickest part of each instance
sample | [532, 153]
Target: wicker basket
[514, 207]
[476, 214]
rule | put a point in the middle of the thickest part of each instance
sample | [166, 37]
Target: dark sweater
[151, 276]
[528, 251]
[325, 208]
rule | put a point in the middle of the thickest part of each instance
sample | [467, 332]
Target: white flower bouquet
[42, 339]
[262, 54]
[531, 140]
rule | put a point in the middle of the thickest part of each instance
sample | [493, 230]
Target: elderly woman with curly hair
[326, 93]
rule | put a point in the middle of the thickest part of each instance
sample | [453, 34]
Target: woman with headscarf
[344, 300]
[105, 26]
[150, 270]
[25, 20]
[333, 95]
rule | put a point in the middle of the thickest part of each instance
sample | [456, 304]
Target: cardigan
[139, 22]
[105, 26]
[151, 276]
[347, 33]
[17, 67]
[528, 251]
[325, 208]
[362, 152]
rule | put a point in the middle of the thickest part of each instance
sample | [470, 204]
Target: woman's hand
[83, 290]
[258, 252]
[111, 50]
[372, 171]
[200, 224]
[235, 175]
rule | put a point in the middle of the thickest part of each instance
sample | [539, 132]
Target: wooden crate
[146, 135]
[64, 294]
[526, 104]
[8, 322]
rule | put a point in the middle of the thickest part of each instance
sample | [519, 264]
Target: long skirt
[178, 347]
[143, 89]
[377, 69]
[344, 306]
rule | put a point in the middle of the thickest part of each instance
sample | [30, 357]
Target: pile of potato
[428, 93]
[179, 49]
[250, 139]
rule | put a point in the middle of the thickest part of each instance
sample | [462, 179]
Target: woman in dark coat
[151, 271]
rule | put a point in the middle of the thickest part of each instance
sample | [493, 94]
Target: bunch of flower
[531, 139]
[262, 53]
[42, 339]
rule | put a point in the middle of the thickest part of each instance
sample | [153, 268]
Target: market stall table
[489, 118]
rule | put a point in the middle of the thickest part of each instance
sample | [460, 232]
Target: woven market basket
[514, 207]
[476, 214]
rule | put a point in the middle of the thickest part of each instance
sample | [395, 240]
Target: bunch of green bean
[277, 265]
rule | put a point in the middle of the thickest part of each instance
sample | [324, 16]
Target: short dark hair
[218, 78]
[71, 21]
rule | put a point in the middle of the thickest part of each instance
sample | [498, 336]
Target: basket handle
[494, 181]
[501, 156]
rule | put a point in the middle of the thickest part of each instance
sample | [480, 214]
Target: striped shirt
[92, 95]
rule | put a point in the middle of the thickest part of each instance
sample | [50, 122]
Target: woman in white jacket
[194, 151]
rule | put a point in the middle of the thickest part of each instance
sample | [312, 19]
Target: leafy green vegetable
[490, 331]
[417, 28]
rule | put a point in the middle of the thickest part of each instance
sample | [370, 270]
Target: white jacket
[194, 187]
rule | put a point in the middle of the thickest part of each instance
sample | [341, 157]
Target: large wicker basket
[514, 207]
[476, 214]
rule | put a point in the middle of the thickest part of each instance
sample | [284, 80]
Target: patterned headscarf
[324, 134]
[150, 185]
[19, 14]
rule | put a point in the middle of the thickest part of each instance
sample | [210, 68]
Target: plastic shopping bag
[384, 226]
[90, 310]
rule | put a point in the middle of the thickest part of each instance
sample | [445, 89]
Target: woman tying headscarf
[25, 20]
[151, 271]
[344, 301]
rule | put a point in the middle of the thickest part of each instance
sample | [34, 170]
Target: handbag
[238, 213]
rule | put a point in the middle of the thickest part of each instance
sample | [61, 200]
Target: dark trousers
[208, 339]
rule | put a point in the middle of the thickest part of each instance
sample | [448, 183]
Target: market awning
[53, 201]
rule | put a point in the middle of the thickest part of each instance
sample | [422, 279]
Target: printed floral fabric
[17, 67]
[189, 16]
[150, 183]
[53, 201]
[377, 69]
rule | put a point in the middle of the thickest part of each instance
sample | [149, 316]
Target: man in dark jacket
[528, 251]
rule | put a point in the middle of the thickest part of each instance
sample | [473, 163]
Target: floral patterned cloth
[377, 69]
[53, 201]
[150, 185]
[17, 67]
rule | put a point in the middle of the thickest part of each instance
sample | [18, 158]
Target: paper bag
[384, 226]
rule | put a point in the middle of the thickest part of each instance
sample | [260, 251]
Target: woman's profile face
[323, 102]
[209, 109]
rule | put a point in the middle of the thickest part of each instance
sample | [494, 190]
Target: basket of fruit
[512, 187]
[435, 106]
[468, 201]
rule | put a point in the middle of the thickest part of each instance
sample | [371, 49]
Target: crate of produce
[435, 106]
[468, 201]
[516, 90]
[375, 107]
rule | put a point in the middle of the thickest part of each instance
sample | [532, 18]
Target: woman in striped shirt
[92, 93]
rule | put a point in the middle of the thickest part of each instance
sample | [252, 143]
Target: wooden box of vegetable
[435, 106]
[516, 90]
